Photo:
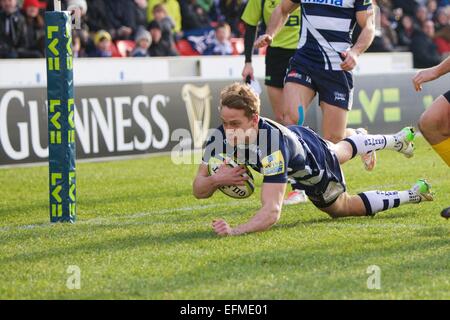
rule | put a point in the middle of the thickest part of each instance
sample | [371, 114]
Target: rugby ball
[238, 192]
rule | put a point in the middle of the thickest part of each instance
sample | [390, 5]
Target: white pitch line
[131, 216]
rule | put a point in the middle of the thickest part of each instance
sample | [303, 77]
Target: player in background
[435, 121]
[276, 152]
[324, 61]
[278, 54]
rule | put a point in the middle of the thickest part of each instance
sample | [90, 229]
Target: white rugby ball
[238, 192]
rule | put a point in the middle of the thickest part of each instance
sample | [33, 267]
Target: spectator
[121, 13]
[35, 29]
[406, 31]
[173, 11]
[385, 38]
[166, 23]
[432, 6]
[143, 41]
[232, 11]
[421, 16]
[442, 41]
[194, 17]
[409, 7]
[221, 44]
[103, 42]
[206, 5]
[97, 17]
[159, 47]
[12, 30]
[214, 11]
[442, 19]
[425, 52]
[140, 9]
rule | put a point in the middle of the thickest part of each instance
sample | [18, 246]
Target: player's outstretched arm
[431, 74]
[365, 20]
[205, 185]
[272, 195]
[277, 20]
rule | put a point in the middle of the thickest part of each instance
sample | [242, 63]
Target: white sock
[376, 201]
[365, 143]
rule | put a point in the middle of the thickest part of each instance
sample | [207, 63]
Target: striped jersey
[326, 30]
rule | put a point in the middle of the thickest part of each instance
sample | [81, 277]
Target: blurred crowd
[419, 26]
[143, 28]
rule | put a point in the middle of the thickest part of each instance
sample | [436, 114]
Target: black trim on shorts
[447, 96]
[277, 63]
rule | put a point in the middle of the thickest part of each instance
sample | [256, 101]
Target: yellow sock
[443, 149]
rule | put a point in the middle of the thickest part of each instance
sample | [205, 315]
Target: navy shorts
[333, 87]
[325, 192]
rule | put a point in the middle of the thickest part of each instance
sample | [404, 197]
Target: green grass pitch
[141, 234]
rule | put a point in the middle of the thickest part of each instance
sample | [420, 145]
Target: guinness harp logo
[198, 105]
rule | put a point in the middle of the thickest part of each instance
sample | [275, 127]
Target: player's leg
[299, 91]
[334, 122]
[277, 63]
[276, 101]
[360, 144]
[296, 96]
[435, 126]
[336, 98]
[370, 202]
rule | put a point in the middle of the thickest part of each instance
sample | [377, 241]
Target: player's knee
[428, 123]
[289, 119]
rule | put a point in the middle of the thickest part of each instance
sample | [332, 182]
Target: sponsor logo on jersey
[337, 3]
[273, 164]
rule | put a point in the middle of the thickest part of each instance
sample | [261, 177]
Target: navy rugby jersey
[279, 152]
[326, 29]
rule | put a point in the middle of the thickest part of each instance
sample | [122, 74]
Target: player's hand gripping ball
[235, 191]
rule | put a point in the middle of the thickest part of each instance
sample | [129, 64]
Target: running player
[278, 152]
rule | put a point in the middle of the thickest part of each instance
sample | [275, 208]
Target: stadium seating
[185, 49]
[238, 45]
[124, 47]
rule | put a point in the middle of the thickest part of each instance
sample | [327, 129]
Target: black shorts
[277, 62]
[447, 96]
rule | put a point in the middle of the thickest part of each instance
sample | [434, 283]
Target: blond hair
[240, 96]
